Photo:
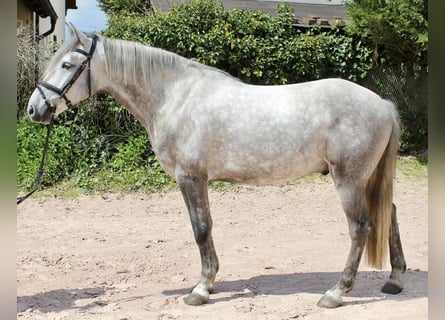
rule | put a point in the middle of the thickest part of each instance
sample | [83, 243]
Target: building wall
[45, 24]
[25, 16]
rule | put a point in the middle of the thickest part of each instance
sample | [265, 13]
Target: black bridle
[62, 94]
[62, 91]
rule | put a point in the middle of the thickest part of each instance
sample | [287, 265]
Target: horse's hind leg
[194, 191]
[359, 222]
[394, 285]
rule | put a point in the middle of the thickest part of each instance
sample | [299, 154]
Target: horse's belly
[262, 171]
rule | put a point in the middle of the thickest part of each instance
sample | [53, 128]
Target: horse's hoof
[393, 286]
[194, 299]
[329, 301]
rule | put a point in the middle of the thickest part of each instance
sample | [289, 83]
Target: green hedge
[101, 147]
[97, 147]
[251, 45]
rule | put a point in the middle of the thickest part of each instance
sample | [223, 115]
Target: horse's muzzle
[37, 116]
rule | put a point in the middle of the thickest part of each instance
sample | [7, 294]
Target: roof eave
[43, 8]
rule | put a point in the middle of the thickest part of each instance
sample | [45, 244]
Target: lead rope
[41, 170]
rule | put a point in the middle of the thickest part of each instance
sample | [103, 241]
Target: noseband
[62, 91]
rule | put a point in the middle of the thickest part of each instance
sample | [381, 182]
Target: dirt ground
[280, 247]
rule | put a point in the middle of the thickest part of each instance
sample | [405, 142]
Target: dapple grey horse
[205, 125]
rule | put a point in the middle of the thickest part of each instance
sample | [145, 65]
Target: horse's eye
[66, 65]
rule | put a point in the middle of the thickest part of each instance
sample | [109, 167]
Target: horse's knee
[201, 231]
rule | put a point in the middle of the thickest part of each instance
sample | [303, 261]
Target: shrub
[30, 141]
[249, 44]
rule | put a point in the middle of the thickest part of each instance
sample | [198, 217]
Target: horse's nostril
[31, 110]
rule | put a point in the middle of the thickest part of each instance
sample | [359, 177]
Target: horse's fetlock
[398, 265]
[347, 283]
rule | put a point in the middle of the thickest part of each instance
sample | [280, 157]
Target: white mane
[133, 62]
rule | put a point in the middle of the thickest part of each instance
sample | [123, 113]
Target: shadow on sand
[58, 300]
[367, 285]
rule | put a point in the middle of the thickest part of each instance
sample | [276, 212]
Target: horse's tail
[379, 195]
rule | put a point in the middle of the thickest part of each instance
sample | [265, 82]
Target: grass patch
[412, 167]
[147, 181]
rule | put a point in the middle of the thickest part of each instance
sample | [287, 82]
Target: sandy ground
[280, 247]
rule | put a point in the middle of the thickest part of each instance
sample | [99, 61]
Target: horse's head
[67, 79]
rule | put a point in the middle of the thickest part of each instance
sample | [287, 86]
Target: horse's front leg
[194, 191]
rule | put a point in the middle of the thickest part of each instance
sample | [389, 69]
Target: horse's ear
[81, 37]
[71, 28]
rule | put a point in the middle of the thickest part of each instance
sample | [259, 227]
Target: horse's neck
[142, 98]
[139, 101]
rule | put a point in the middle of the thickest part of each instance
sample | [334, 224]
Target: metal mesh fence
[408, 90]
